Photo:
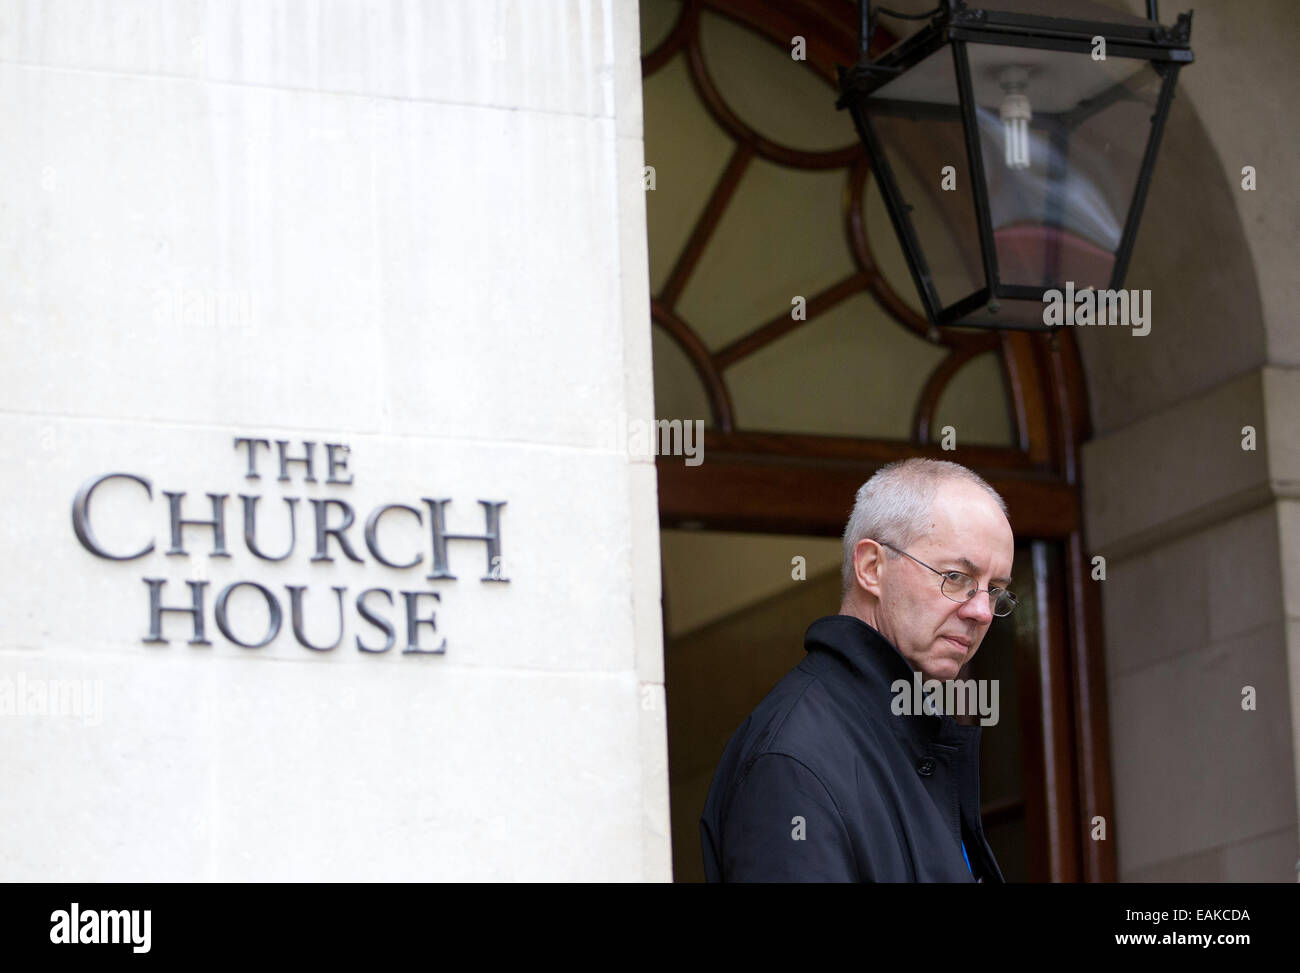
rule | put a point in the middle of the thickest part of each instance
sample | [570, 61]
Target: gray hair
[894, 505]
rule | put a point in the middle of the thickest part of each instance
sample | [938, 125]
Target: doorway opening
[784, 318]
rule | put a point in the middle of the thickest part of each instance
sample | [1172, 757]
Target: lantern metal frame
[957, 23]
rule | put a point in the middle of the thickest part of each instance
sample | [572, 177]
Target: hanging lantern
[1013, 145]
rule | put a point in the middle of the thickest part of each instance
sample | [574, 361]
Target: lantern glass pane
[917, 119]
[1062, 137]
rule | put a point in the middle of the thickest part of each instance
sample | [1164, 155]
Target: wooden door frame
[796, 484]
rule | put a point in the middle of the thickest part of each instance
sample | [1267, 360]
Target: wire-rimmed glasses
[959, 587]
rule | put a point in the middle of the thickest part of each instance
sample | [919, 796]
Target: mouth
[962, 644]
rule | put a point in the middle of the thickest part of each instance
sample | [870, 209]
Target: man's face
[968, 534]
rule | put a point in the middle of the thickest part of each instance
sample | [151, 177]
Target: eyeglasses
[961, 588]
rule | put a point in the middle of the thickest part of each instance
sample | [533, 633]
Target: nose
[978, 608]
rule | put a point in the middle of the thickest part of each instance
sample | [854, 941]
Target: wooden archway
[803, 484]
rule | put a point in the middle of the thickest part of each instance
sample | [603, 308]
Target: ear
[868, 557]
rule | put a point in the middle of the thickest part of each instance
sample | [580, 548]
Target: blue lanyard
[967, 857]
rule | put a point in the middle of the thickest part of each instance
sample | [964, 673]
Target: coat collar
[862, 647]
[879, 664]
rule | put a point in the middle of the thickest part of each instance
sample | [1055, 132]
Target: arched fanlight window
[766, 318]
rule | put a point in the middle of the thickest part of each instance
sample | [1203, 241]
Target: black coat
[882, 798]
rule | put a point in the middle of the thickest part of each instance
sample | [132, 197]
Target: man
[826, 781]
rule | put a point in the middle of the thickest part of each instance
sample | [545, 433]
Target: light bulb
[1016, 113]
